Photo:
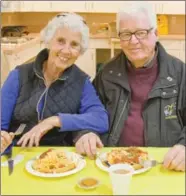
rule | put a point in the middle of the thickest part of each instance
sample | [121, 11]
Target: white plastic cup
[120, 182]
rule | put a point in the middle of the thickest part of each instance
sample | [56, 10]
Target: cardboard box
[162, 23]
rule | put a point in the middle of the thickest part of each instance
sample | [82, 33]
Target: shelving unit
[102, 46]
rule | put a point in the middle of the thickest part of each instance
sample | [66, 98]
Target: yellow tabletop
[157, 181]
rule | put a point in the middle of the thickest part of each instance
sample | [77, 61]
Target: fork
[98, 155]
[20, 129]
[150, 163]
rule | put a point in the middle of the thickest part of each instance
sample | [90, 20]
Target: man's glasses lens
[141, 34]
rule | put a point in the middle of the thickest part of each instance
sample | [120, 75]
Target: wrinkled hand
[33, 137]
[6, 140]
[175, 158]
[87, 145]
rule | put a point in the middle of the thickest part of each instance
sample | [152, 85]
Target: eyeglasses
[139, 34]
[65, 14]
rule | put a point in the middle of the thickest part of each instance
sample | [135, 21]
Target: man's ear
[156, 32]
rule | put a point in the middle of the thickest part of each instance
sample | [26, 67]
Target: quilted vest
[63, 96]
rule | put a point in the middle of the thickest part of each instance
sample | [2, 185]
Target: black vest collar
[38, 65]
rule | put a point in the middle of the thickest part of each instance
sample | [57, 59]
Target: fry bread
[53, 161]
[129, 155]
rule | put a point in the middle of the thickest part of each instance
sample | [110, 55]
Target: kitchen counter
[172, 37]
[20, 53]
[9, 48]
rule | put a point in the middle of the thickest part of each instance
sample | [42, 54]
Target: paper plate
[77, 159]
[105, 168]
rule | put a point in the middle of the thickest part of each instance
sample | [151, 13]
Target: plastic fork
[150, 163]
[104, 161]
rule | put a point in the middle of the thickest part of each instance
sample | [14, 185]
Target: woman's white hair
[70, 20]
[133, 8]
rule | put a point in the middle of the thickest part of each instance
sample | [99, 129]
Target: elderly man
[143, 91]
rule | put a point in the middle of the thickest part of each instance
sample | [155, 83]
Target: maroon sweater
[141, 82]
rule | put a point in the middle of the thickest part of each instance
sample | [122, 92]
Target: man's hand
[6, 140]
[87, 145]
[33, 137]
[175, 158]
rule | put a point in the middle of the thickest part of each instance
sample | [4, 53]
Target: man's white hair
[133, 8]
[70, 20]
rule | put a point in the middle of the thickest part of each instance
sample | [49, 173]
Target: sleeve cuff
[67, 122]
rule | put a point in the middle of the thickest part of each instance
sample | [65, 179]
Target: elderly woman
[51, 95]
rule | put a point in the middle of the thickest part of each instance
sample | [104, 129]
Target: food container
[88, 183]
[162, 22]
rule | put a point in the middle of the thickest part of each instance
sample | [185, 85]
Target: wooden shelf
[16, 48]
[174, 37]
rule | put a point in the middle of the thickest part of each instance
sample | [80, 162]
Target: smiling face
[138, 51]
[64, 48]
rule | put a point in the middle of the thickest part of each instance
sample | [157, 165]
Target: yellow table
[157, 181]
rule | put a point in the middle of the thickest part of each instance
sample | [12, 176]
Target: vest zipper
[44, 103]
[37, 108]
[46, 90]
[40, 76]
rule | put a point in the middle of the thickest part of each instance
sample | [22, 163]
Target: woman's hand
[6, 140]
[33, 137]
[175, 158]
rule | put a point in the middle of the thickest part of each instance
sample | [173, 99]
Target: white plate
[105, 168]
[80, 164]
